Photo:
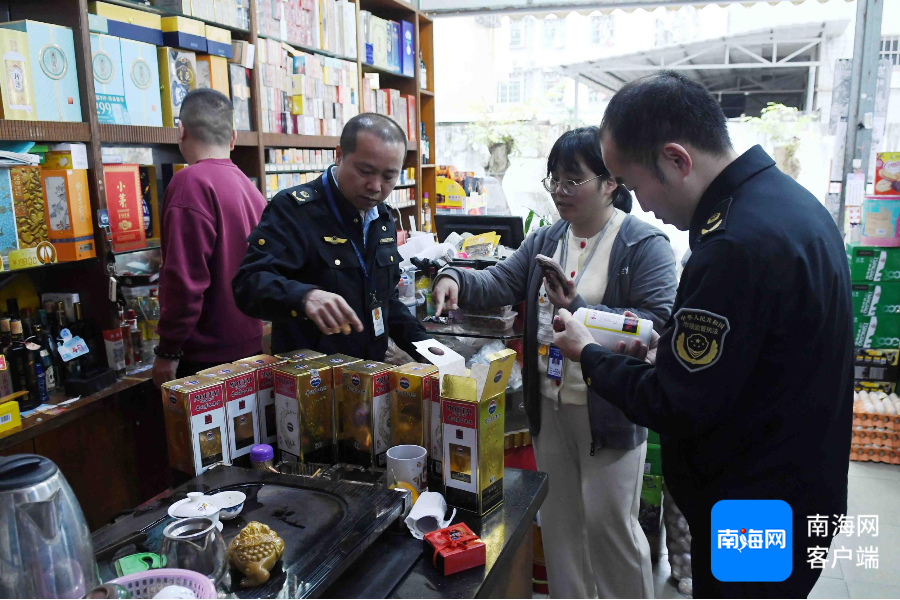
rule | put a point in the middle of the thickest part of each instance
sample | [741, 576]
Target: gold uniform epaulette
[718, 220]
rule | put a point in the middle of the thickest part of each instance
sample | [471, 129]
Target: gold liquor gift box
[304, 413]
[337, 362]
[411, 403]
[365, 414]
[240, 406]
[472, 412]
[300, 356]
[264, 366]
[195, 424]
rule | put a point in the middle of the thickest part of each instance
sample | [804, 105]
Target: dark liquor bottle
[12, 307]
[5, 334]
[48, 364]
[71, 368]
[82, 329]
[21, 364]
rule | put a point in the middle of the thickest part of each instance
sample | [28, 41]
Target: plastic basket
[147, 584]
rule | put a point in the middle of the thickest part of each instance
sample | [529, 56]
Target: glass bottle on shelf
[48, 326]
[37, 378]
[71, 368]
[48, 362]
[125, 328]
[81, 328]
[426, 213]
[137, 343]
[12, 307]
[20, 361]
[423, 73]
[5, 334]
[6, 383]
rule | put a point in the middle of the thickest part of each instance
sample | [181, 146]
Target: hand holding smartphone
[553, 272]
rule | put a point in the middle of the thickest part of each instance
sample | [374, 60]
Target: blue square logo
[752, 540]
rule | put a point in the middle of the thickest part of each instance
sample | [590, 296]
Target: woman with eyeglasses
[593, 543]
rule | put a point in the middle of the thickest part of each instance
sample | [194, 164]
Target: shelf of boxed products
[140, 134]
[233, 20]
[286, 140]
[388, 6]
[302, 48]
[44, 131]
[24, 264]
[367, 68]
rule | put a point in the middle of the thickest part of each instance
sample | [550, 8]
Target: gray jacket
[641, 280]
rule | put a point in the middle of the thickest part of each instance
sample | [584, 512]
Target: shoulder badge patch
[699, 338]
[334, 241]
[717, 220]
[303, 197]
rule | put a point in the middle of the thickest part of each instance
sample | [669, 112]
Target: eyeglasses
[567, 187]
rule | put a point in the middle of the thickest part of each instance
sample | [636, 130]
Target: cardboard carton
[472, 410]
[240, 406]
[196, 433]
[365, 413]
[264, 366]
[68, 213]
[304, 412]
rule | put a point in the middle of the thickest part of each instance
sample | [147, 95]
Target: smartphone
[556, 278]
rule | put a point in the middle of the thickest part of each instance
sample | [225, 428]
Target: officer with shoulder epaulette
[750, 385]
[323, 264]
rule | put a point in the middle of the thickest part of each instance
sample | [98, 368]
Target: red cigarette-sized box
[454, 549]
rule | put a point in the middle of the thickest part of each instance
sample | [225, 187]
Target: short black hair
[381, 126]
[661, 108]
[584, 143]
[208, 116]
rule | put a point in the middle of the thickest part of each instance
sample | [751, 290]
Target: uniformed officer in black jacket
[751, 390]
[323, 264]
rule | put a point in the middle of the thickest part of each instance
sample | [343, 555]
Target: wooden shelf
[427, 166]
[367, 68]
[427, 93]
[307, 48]
[139, 134]
[387, 5]
[167, 13]
[286, 140]
[44, 131]
[423, 18]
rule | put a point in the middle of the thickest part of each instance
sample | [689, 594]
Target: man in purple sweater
[210, 209]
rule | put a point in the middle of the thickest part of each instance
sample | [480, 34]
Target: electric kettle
[45, 543]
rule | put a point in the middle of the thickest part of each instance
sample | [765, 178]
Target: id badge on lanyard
[555, 364]
[374, 305]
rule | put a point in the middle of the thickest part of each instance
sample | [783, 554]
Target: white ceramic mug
[408, 464]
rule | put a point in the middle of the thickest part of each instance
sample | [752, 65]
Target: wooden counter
[111, 446]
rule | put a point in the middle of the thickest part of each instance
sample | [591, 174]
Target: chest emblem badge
[334, 241]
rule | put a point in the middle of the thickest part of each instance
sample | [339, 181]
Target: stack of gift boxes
[145, 64]
[328, 25]
[233, 13]
[305, 94]
[390, 102]
[45, 212]
[875, 290]
[319, 410]
[389, 45]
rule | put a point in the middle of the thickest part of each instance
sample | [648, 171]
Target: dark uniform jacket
[752, 387]
[300, 246]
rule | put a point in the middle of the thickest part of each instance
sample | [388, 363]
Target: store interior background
[510, 85]
[513, 77]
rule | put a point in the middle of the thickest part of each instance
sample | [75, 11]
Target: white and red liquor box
[240, 406]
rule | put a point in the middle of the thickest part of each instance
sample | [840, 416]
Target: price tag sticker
[72, 347]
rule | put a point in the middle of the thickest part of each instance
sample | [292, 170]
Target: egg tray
[863, 419]
[885, 439]
[882, 455]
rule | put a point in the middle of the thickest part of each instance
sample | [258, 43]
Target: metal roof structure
[777, 63]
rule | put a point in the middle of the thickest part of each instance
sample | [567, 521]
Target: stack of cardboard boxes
[875, 289]
[305, 94]
[145, 64]
[389, 45]
[391, 103]
[45, 212]
[328, 25]
[323, 409]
